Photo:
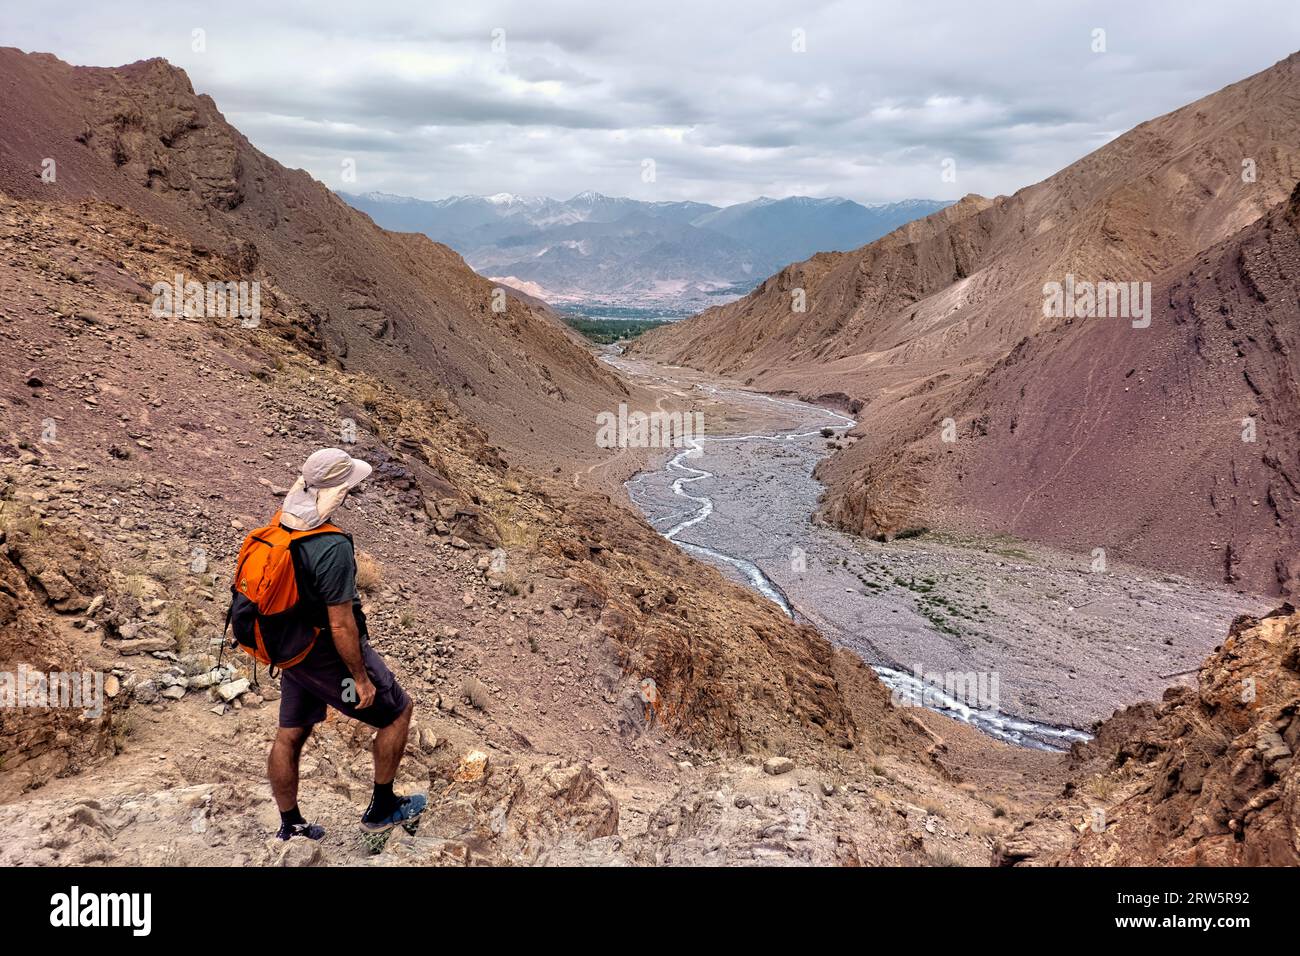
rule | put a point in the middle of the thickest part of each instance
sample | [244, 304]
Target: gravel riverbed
[1058, 642]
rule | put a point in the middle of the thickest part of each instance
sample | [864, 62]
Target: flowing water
[691, 520]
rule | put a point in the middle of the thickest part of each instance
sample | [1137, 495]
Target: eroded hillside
[397, 306]
[1207, 777]
[904, 331]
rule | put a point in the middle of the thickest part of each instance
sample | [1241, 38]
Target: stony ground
[1206, 777]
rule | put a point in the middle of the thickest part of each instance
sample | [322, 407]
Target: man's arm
[343, 627]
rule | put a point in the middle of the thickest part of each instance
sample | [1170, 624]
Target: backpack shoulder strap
[305, 574]
[272, 533]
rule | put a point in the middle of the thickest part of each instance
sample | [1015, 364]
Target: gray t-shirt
[327, 574]
[329, 568]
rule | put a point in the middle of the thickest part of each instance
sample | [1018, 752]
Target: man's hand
[343, 628]
[365, 691]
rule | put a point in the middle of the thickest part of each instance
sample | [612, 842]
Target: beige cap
[325, 480]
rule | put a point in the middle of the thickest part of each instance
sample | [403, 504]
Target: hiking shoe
[312, 831]
[408, 809]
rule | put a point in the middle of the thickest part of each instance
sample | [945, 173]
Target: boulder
[777, 765]
[229, 691]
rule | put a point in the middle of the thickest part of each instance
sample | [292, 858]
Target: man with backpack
[296, 608]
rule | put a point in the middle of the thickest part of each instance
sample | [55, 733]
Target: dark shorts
[318, 682]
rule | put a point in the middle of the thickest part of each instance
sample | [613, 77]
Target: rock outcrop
[43, 577]
[1209, 777]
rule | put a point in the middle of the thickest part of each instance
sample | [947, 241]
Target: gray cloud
[578, 94]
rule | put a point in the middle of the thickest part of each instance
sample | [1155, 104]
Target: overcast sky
[576, 96]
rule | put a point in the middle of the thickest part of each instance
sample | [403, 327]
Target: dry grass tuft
[1101, 787]
[179, 626]
[369, 576]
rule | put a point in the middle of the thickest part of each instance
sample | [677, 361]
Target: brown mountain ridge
[398, 306]
[935, 321]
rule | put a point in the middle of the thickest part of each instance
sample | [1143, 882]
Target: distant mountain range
[674, 255]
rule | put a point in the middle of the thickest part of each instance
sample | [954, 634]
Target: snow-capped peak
[387, 198]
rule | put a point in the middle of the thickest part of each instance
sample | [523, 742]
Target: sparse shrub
[517, 535]
[369, 576]
[136, 586]
[938, 856]
[179, 626]
[934, 808]
[1101, 787]
[30, 528]
[124, 725]
[368, 395]
[406, 619]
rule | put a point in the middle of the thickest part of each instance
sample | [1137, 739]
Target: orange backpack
[265, 615]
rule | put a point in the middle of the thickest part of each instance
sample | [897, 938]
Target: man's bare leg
[282, 765]
[390, 745]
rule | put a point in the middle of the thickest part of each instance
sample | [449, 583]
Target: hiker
[296, 608]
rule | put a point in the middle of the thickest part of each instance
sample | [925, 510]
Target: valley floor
[1070, 640]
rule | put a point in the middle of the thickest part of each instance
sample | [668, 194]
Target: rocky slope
[1189, 425]
[1208, 777]
[397, 306]
[905, 330]
[523, 614]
